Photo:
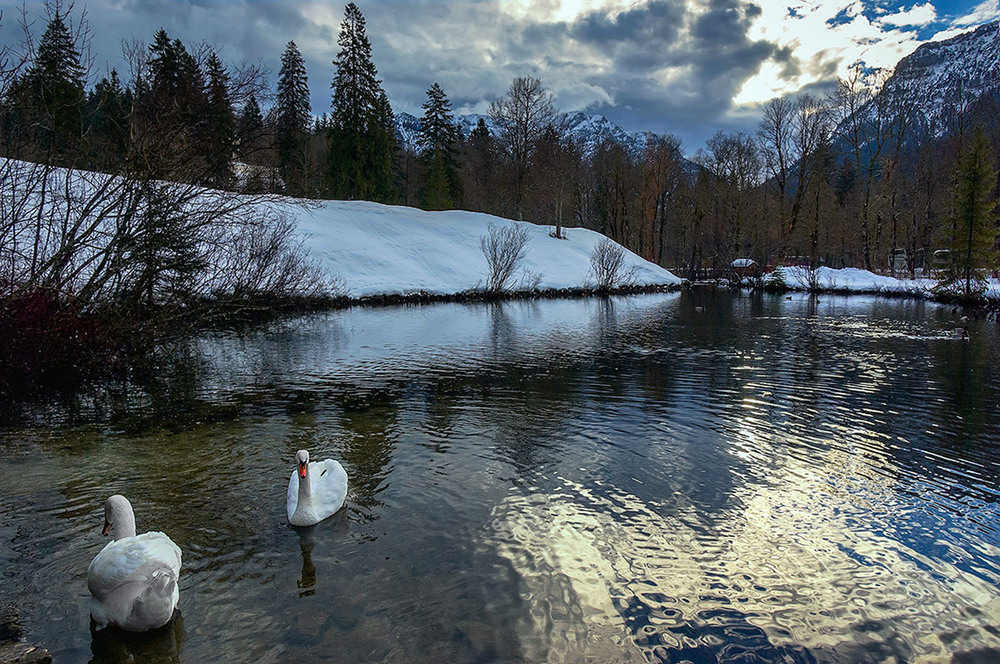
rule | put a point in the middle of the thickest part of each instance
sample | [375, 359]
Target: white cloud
[917, 15]
[819, 44]
[982, 13]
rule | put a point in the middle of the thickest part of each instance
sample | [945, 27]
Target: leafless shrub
[607, 263]
[263, 257]
[529, 280]
[140, 242]
[504, 249]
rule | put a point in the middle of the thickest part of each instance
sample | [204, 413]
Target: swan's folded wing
[293, 495]
[137, 559]
[330, 485]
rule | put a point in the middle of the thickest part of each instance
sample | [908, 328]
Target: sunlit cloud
[686, 67]
[916, 15]
[825, 38]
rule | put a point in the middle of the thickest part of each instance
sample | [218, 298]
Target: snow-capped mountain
[940, 79]
[586, 130]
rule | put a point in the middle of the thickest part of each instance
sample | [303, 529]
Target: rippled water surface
[635, 480]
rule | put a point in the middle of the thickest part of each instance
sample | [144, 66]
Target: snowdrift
[377, 249]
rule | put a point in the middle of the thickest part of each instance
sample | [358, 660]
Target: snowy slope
[383, 249]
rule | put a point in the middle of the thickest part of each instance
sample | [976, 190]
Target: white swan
[315, 490]
[134, 578]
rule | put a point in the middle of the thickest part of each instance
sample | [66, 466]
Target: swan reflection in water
[112, 645]
[329, 531]
[307, 541]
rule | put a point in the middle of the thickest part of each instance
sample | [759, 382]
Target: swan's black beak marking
[107, 527]
[323, 473]
[302, 470]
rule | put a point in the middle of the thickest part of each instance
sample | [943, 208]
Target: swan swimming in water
[134, 577]
[315, 490]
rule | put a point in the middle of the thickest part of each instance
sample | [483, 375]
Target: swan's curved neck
[124, 525]
[305, 489]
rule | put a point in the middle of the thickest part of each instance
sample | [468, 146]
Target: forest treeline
[854, 179]
[153, 189]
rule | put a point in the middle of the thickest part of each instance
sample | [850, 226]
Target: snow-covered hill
[383, 249]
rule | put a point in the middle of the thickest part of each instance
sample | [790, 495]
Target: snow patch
[380, 249]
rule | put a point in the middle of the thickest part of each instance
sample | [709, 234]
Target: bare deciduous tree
[607, 263]
[504, 249]
[791, 135]
[864, 124]
[521, 116]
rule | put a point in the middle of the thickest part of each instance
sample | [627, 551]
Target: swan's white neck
[305, 489]
[124, 529]
[118, 513]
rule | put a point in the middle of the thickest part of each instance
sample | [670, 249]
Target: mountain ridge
[940, 79]
[587, 130]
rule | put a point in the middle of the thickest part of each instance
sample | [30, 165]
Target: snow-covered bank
[854, 280]
[376, 249]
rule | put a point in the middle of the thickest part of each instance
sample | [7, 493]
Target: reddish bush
[47, 341]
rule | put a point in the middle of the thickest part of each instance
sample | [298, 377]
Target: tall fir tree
[480, 167]
[173, 105]
[362, 137]
[49, 97]
[974, 224]
[108, 109]
[218, 126]
[383, 148]
[437, 141]
[293, 116]
[249, 130]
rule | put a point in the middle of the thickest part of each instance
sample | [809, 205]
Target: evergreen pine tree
[107, 111]
[249, 130]
[355, 85]
[974, 224]
[362, 137]
[174, 106]
[437, 142]
[480, 166]
[219, 125]
[293, 115]
[50, 96]
[383, 147]
[172, 70]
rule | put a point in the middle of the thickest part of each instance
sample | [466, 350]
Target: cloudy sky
[687, 67]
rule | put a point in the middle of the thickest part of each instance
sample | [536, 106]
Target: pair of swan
[133, 579]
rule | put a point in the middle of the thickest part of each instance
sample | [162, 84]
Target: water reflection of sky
[626, 480]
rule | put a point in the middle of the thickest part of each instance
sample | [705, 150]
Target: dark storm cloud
[241, 30]
[660, 65]
[655, 22]
[692, 68]
[664, 65]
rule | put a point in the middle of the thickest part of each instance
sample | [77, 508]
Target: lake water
[626, 480]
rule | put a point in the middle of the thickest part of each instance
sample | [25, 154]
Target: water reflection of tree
[503, 334]
[370, 420]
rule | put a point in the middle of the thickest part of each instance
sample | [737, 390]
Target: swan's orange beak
[107, 527]
[302, 470]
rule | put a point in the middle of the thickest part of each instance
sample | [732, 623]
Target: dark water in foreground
[767, 480]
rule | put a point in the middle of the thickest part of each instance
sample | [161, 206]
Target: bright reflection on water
[767, 480]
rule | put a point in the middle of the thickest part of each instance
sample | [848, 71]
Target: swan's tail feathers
[155, 605]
